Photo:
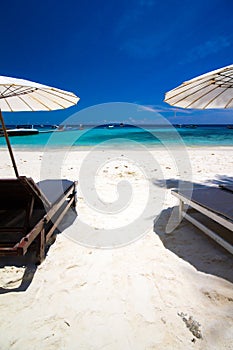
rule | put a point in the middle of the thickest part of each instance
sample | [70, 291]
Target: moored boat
[21, 131]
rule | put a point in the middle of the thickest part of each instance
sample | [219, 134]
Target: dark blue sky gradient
[116, 51]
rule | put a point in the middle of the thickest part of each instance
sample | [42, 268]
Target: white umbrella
[18, 95]
[207, 91]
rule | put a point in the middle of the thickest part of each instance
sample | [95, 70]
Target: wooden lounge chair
[211, 210]
[30, 212]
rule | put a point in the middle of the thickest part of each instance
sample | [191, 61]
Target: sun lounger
[30, 213]
[211, 210]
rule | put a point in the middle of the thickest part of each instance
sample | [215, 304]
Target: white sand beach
[162, 291]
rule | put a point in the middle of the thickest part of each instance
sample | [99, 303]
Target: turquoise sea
[116, 134]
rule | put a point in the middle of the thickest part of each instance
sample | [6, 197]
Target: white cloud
[161, 109]
[209, 47]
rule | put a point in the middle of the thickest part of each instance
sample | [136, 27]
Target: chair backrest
[13, 194]
[16, 192]
[19, 198]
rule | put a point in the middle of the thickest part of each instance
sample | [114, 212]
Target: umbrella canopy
[19, 95]
[207, 91]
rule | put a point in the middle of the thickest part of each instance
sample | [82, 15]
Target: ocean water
[200, 135]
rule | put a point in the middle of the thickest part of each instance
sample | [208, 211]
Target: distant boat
[229, 126]
[191, 126]
[115, 125]
[21, 131]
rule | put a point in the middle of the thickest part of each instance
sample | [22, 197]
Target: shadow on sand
[191, 244]
[14, 265]
[174, 183]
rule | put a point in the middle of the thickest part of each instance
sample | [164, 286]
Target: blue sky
[116, 51]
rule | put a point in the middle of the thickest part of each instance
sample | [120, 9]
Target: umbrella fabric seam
[215, 97]
[189, 88]
[192, 94]
[53, 94]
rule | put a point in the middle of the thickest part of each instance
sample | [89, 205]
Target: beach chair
[30, 213]
[211, 210]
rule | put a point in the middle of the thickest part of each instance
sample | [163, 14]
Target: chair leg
[40, 251]
[181, 208]
[74, 199]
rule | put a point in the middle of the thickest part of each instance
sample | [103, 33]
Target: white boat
[22, 131]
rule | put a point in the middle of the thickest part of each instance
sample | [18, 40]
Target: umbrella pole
[8, 144]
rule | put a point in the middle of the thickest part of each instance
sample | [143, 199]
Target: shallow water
[211, 135]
